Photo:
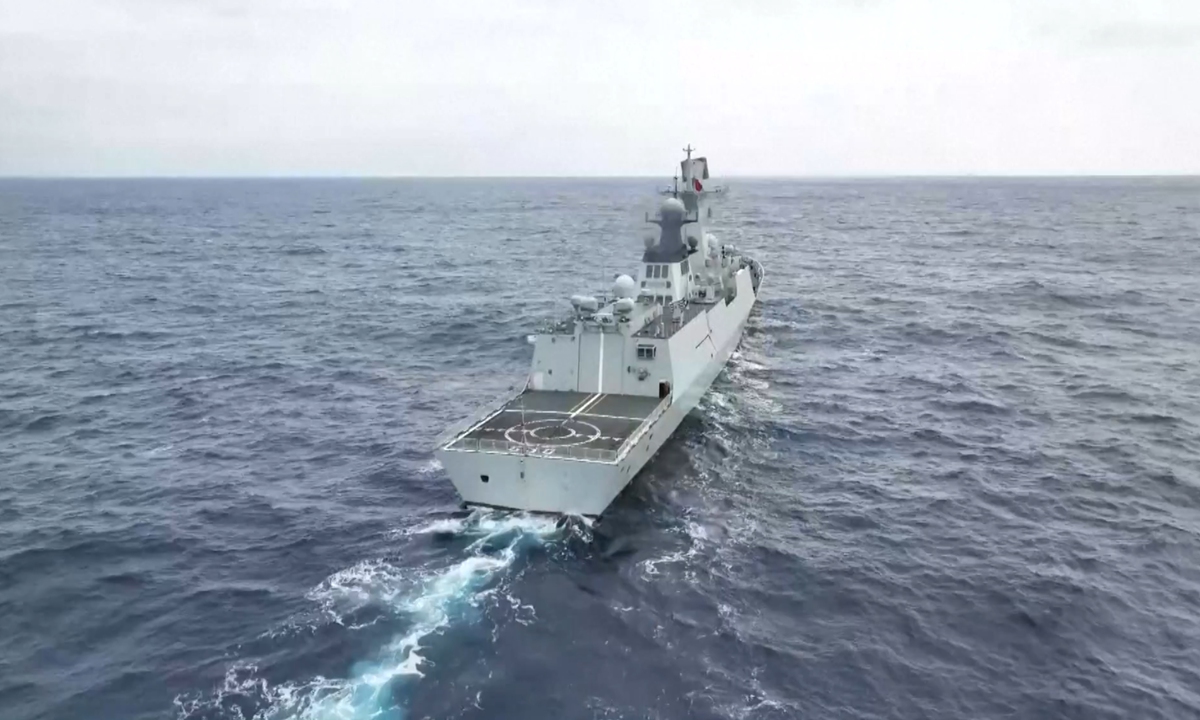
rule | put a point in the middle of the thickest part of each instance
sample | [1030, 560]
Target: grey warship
[610, 382]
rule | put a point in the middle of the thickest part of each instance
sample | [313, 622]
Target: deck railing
[645, 426]
[507, 447]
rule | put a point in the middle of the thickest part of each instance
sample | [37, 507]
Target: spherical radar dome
[672, 207]
[624, 287]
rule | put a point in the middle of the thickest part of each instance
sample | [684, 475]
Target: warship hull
[574, 452]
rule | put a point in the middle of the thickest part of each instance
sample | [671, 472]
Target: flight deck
[555, 423]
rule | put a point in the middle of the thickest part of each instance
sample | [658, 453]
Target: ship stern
[533, 483]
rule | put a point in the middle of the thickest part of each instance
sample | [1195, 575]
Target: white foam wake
[697, 537]
[428, 599]
[488, 524]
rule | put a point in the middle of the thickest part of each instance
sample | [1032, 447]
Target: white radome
[672, 206]
[585, 303]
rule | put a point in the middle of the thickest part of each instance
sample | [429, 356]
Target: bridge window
[646, 352]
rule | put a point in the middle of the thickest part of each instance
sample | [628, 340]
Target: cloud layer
[545, 87]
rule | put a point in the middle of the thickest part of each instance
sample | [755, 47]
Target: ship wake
[425, 601]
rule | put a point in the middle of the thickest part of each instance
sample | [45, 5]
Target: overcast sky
[602, 87]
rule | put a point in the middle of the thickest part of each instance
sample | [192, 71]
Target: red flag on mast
[696, 184]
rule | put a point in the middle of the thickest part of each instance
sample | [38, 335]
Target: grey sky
[603, 87]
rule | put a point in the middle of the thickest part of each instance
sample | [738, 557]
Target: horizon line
[719, 180]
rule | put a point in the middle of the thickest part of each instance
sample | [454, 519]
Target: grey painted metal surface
[609, 384]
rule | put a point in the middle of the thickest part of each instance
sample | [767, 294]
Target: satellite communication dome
[672, 207]
[624, 287]
[584, 303]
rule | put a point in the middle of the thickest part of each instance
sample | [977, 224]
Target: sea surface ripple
[952, 471]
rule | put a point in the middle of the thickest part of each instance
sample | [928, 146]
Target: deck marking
[595, 399]
[577, 405]
[476, 426]
[529, 435]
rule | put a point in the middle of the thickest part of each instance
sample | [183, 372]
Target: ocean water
[952, 472]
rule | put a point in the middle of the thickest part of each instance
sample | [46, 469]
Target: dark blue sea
[953, 471]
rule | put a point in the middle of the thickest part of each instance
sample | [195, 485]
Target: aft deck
[561, 424]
